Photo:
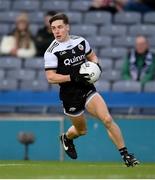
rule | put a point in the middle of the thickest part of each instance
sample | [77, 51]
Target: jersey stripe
[50, 49]
[89, 52]
[50, 68]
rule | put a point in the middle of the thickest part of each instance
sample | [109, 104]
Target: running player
[63, 59]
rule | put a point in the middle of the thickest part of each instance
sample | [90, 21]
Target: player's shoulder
[52, 47]
[50, 50]
[79, 38]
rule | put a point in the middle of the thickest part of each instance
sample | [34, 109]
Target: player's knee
[108, 121]
[82, 132]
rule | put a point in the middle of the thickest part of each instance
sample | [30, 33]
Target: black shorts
[74, 104]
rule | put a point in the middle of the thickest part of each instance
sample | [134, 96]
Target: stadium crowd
[111, 26]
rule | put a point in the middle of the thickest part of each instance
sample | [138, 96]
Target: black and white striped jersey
[64, 56]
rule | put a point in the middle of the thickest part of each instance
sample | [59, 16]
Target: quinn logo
[68, 62]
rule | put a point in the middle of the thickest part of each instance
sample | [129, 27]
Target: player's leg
[98, 108]
[74, 108]
[77, 129]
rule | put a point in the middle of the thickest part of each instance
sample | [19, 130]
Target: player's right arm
[51, 63]
[54, 78]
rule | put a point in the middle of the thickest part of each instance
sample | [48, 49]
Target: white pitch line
[14, 164]
[3, 165]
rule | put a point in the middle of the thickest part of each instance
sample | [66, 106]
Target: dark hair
[59, 16]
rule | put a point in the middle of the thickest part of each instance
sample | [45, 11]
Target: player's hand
[75, 76]
[84, 78]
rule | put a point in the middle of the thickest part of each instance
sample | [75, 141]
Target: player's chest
[71, 56]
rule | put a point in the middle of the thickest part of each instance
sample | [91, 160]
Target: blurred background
[121, 32]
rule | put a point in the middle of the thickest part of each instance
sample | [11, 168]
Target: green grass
[74, 170]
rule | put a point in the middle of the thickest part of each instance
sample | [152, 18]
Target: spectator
[142, 6]
[44, 35]
[19, 42]
[150, 4]
[119, 4]
[103, 5]
[140, 62]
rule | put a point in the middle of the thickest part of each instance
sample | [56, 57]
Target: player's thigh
[97, 107]
[79, 122]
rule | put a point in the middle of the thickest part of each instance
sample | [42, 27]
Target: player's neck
[66, 39]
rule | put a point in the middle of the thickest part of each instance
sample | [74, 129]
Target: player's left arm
[92, 57]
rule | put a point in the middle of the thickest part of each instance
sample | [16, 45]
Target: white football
[92, 69]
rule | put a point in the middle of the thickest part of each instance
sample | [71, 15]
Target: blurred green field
[73, 170]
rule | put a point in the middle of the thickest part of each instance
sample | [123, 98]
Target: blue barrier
[113, 99]
[27, 98]
[144, 100]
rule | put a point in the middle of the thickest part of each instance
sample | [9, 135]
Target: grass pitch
[73, 170]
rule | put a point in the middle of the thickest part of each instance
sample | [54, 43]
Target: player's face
[60, 30]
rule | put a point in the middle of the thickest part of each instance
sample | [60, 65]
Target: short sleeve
[87, 47]
[51, 61]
